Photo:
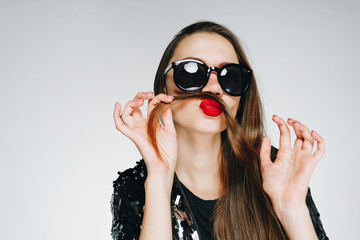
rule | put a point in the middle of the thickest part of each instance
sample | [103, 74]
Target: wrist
[296, 221]
[161, 184]
[289, 207]
[287, 212]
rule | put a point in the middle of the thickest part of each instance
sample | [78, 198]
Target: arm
[286, 179]
[157, 212]
[160, 170]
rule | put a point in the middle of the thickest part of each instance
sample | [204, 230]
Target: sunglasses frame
[175, 64]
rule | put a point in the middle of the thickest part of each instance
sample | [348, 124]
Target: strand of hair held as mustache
[234, 131]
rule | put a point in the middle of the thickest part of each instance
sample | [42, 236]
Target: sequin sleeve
[127, 203]
[315, 217]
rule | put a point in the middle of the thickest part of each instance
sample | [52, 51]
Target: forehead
[213, 49]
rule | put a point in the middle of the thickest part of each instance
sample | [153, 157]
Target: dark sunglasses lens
[234, 80]
[190, 76]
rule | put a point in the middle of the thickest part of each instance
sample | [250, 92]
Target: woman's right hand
[133, 124]
[160, 170]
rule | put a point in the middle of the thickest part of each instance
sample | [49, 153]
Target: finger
[285, 138]
[144, 95]
[129, 109]
[320, 149]
[265, 151]
[308, 143]
[120, 125]
[137, 114]
[141, 95]
[168, 119]
[157, 99]
[299, 139]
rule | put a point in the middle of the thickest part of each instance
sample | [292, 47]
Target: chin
[211, 126]
[206, 126]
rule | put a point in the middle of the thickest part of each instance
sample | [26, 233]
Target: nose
[213, 85]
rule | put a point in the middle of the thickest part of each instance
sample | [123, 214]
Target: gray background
[63, 64]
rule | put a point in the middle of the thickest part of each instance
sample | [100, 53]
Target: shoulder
[127, 202]
[129, 186]
[131, 177]
[315, 217]
[273, 153]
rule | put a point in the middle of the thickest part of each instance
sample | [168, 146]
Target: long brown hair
[243, 211]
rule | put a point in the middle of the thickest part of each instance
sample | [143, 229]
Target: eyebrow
[201, 60]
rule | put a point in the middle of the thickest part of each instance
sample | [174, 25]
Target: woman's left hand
[286, 179]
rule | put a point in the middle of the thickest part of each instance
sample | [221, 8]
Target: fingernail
[275, 116]
[148, 92]
[171, 97]
[139, 100]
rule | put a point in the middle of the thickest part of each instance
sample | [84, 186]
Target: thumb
[265, 150]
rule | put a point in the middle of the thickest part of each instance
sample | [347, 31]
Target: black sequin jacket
[128, 201]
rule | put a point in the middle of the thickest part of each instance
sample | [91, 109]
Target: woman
[208, 171]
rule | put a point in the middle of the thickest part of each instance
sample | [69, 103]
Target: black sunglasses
[191, 75]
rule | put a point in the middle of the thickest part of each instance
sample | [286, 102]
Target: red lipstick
[210, 107]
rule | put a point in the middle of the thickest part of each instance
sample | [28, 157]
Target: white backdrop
[63, 64]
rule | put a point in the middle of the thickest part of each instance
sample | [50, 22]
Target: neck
[198, 162]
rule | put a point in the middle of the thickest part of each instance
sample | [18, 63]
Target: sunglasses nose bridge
[214, 69]
[213, 84]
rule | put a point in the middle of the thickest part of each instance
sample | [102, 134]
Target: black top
[202, 210]
[128, 200]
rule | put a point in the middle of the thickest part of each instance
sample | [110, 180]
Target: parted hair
[243, 211]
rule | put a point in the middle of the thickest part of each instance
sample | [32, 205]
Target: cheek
[177, 109]
[235, 110]
[171, 88]
[234, 106]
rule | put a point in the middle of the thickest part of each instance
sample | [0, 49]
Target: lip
[210, 107]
